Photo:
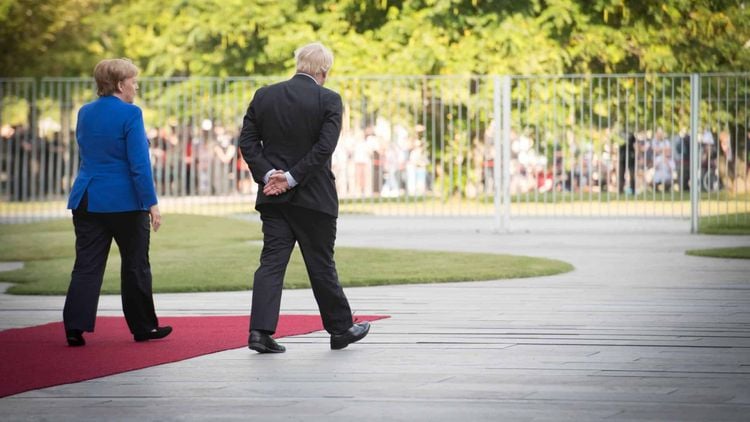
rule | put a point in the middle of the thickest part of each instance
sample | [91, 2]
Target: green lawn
[729, 224]
[197, 253]
[734, 224]
[742, 252]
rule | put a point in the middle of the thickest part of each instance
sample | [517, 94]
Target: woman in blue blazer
[113, 197]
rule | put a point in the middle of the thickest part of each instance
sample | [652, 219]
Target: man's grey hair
[313, 59]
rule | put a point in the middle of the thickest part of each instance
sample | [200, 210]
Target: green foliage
[49, 37]
[237, 37]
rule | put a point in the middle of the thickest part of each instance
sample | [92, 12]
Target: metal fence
[622, 145]
[575, 145]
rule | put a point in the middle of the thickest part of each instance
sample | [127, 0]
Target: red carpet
[38, 357]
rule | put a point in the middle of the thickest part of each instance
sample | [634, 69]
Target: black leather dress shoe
[155, 334]
[263, 343]
[75, 338]
[355, 333]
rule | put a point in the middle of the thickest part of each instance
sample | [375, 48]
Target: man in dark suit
[288, 136]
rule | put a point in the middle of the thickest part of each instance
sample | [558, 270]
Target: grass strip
[199, 254]
[742, 252]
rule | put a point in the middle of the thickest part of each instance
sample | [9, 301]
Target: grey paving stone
[639, 331]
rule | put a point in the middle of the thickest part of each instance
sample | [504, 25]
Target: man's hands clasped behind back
[277, 184]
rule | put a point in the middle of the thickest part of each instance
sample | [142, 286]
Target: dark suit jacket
[294, 126]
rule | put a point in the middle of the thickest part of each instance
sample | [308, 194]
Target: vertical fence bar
[707, 178]
[555, 142]
[506, 125]
[695, 160]
[746, 153]
[496, 115]
[4, 146]
[736, 146]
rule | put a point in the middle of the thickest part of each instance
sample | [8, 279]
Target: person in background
[681, 148]
[113, 197]
[626, 160]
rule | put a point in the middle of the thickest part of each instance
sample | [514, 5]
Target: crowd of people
[375, 160]
[627, 163]
[388, 160]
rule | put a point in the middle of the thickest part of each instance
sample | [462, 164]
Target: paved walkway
[639, 331]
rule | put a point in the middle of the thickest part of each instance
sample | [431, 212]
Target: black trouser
[683, 172]
[315, 232]
[621, 175]
[94, 234]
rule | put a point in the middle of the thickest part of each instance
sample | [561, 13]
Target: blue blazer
[115, 166]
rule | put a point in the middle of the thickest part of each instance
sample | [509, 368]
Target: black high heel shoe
[75, 338]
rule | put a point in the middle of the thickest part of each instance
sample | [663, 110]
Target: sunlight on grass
[734, 224]
[742, 252]
[198, 253]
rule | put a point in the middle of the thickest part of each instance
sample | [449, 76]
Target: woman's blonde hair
[313, 59]
[109, 72]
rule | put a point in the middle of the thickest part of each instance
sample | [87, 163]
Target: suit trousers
[94, 234]
[315, 232]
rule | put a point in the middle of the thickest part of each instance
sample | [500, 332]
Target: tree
[47, 38]
[236, 37]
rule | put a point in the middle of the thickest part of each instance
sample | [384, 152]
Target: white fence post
[506, 153]
[695, 159]
[501, 141]
[496, 167]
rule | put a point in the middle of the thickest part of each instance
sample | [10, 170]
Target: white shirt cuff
[290, 180]
[268, 174]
